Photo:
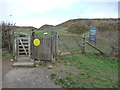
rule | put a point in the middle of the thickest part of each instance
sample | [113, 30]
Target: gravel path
[28, 78]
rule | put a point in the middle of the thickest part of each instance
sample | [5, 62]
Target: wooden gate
[22, 45]
[47, 50]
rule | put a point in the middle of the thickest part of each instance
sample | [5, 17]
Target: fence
[74, 44]
[52, 46]
[70, 44]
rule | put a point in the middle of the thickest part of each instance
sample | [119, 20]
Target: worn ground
[6, 67]
[38, 77]
[28, 78]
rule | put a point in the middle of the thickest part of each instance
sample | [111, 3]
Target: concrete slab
[23, 59]
[23, 64]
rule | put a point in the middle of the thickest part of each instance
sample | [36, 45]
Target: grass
[39, 33]
[28, 66]
[23, 32]
[6, 54]
[98, 72]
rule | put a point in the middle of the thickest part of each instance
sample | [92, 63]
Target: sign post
[92, 35]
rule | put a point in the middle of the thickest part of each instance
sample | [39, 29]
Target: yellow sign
[36, 42]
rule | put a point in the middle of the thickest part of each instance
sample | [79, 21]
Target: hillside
[80, 26]
[77, 26]
[46, 26]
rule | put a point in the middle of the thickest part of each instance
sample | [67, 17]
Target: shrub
[78, 29]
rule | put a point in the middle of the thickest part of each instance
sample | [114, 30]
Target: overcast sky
[39, 12]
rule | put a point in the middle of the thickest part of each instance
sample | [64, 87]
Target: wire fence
[70, 44]
[73, 44]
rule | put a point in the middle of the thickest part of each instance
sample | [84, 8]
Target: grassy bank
[96, 72]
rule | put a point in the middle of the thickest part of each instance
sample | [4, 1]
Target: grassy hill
[80, 26]
[77, 26]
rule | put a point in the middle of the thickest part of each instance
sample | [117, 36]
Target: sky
[39, 12]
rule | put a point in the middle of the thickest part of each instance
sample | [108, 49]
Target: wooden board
[46, 50]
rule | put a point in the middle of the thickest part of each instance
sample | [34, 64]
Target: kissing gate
[35, 47]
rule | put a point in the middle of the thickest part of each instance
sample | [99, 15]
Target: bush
[6, 29]
[78, 29]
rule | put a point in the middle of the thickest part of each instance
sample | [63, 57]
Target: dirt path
[6, 67]
[28, 78]
[38, 77]
[25, 77]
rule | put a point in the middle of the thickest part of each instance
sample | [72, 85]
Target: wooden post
[84, 42]
[95, 47]
[56, 45]
[32, 47]
[29, 51]
[15, 48]
[52, 46]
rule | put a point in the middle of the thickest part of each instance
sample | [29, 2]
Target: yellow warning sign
[36, 42]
